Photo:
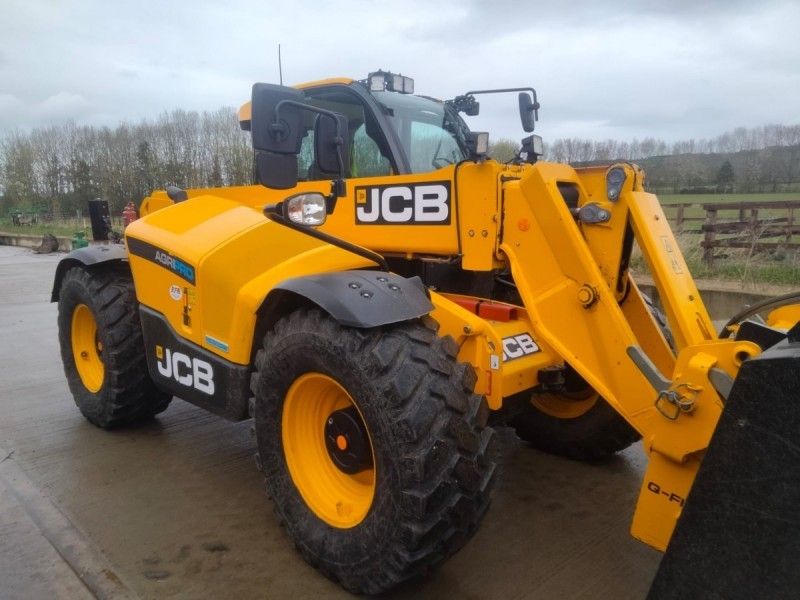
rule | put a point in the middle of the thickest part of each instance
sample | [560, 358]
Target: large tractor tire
[102, 348]
[375, 449]
[578, 423]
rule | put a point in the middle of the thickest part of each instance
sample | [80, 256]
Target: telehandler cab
[385, 293]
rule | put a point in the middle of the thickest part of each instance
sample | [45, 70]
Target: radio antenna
[280, 66]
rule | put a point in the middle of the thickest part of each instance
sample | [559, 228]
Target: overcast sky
[671, 69]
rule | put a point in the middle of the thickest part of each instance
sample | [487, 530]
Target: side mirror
[276, 131]
[331, 145]
[527, 111]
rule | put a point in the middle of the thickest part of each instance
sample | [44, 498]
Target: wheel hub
[347, 442]
[87, 349]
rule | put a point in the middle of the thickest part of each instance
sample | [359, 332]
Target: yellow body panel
[481, 344]
[234, 271]
[784, 317]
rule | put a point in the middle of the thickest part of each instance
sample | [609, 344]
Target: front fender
[360, 298]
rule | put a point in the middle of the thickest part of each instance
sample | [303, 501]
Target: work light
[377, 81]
[384, 80]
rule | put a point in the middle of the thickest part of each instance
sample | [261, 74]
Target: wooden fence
[756, 226]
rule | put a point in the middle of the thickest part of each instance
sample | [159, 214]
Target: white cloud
[613, 69]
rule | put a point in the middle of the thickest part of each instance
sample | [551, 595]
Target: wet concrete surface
[177, 507]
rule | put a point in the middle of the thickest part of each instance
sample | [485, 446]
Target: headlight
[615, 179]
[306, 209]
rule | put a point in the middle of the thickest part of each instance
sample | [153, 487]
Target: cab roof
[245, 110]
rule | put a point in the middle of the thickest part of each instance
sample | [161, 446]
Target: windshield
[432, 136]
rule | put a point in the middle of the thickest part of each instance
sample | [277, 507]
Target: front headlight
[306, 209]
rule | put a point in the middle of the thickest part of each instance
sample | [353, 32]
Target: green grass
[779, 267]
[62, 228]
[696, 211]
[713, 198]
[57, 229]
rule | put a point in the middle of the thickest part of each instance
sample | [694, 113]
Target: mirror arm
[273, 209]
[274, 212]
[507, 90]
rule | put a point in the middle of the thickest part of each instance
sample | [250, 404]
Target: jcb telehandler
[385, 293]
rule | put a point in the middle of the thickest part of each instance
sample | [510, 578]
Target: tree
[503, 150]
[725, 177]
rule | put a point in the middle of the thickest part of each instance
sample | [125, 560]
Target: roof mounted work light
[384, 80]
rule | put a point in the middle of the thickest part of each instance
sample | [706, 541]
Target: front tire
[102, 348]
[579, 424]
[419, 477]
[582, 428]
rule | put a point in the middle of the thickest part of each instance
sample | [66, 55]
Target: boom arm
[572, 294]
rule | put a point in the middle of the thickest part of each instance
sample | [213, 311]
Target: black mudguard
[361, 298]
[193, 373]
[89, 256]
[739, 533]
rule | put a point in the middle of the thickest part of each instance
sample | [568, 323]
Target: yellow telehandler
[385, 293]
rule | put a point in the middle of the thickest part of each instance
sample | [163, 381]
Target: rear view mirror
[276, 131]
[331, 144]
[526, 111]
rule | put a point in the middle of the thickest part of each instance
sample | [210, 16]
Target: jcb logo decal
[517, 346]
[417, 204]
[191, 372]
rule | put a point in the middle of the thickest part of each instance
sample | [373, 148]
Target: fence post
[679, 219]
[709, 226]
[790, 226]
[753, 225]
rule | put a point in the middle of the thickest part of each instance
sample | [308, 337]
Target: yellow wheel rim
[340, 499]
[563, 406]
[87, 349]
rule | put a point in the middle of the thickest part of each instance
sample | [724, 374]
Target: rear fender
[87, 257]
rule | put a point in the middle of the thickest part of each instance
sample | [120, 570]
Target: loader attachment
[739, 533]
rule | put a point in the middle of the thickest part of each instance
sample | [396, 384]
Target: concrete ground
[175, 507]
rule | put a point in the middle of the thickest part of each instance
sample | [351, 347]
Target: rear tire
[102, 348]
[432, 454]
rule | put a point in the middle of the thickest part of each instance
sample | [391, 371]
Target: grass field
[711, 198]
[58, 228]
[781, 266]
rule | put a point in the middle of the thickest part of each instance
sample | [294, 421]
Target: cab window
[369, 153]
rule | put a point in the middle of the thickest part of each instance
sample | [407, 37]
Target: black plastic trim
[88, 256]
[363, 298]
[163, 258]
[231, 381]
